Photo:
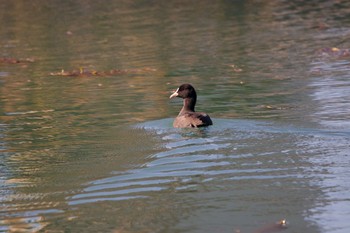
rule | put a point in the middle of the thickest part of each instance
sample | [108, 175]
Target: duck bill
[174, 94]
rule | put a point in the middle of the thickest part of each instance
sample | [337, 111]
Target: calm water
[99, 154]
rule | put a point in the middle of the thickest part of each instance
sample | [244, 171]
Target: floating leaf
[334, 52]
[88, 73]
[11, 60]
[274, 227]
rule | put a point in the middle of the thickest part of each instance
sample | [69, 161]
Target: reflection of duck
[187, 117]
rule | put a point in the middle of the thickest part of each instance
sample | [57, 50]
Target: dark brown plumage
[187, 117]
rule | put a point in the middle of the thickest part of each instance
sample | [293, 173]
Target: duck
[188, 117]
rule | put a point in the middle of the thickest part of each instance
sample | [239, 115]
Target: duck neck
[189, 104]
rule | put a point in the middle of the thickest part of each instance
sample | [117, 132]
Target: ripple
[31, 220]
[330, 90]
[29, 112]
[191, 149]
[189, 158]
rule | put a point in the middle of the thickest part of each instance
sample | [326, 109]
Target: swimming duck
[187, 117]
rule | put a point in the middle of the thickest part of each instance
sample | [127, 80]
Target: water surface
[99, 154]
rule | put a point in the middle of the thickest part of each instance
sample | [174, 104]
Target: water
[99, 154]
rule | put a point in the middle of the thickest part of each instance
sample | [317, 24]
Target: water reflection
[330, 88]
[329, 167]
[72, 160]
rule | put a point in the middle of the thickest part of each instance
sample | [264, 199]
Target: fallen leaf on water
[88, 73]
[11, 60]
[274, 227]
[334, 52]
[235, 68]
